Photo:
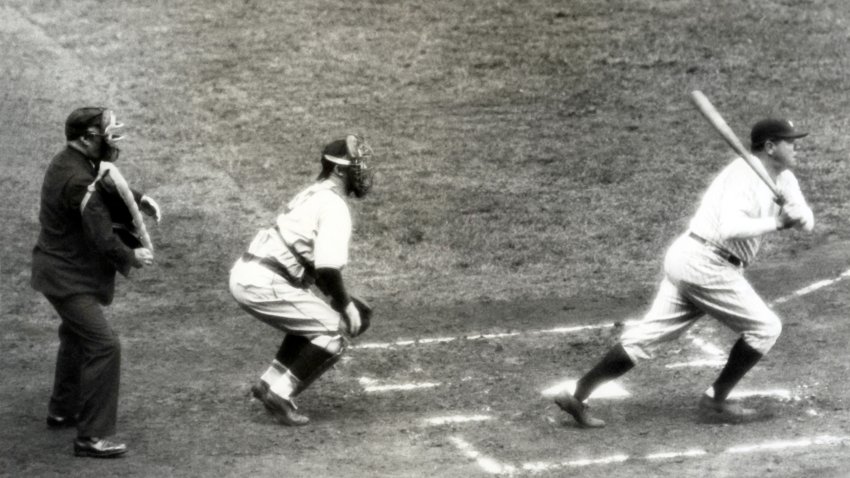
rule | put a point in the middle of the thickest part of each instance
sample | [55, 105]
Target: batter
[704, 274]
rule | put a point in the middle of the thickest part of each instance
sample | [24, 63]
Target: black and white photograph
[386, 238]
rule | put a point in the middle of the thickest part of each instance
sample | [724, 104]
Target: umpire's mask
[109, 126]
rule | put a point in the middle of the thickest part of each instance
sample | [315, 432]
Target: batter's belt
[277, 268]
[728, 256]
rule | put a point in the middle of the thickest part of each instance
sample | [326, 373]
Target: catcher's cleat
[579, 411]
[725, 411]
[283, 410]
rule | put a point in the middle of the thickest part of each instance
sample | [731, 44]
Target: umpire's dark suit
[74, 265]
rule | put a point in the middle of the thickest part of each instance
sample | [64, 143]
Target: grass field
[534, 160]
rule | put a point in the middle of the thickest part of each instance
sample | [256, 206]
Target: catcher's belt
[278, 269]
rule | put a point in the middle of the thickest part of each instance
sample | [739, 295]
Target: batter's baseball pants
[698, 282]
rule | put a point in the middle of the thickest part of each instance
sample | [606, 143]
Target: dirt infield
[537, 160]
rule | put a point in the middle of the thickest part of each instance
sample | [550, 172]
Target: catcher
[307, 246]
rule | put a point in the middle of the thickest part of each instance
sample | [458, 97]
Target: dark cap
[81, 119]
[771, 129]
[337, 149]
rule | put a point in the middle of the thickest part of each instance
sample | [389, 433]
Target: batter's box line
[494, 466]
[573, 329]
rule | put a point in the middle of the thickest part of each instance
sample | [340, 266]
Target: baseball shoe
[725, 411]
[579, 411]
[282, 409]
[56, 422]
[98, 448]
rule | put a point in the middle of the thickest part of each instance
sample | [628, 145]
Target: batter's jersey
[316, 224]
[737, 194]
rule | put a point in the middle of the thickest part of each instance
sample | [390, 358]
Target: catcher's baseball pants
[270, 298]
[698, 281]
[88, 366]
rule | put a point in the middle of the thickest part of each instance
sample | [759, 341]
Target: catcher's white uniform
[317, 226]
[703, 268]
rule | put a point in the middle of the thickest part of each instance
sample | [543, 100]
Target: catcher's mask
[352, 154]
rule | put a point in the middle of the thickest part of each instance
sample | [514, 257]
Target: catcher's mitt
[365, 313]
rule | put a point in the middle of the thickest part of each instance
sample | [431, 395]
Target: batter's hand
[791, 216]
[148, 206]
[352, 318]
[142, 257]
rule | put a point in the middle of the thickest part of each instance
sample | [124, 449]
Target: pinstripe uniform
[704, 267]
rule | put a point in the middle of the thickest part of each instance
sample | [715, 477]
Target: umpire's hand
[142, 257]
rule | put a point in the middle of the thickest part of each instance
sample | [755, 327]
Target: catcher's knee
[332, 344]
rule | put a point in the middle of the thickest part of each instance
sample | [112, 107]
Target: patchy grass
[550, 143]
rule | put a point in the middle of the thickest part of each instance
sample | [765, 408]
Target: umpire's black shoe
[578, 410]
[725, 411]
[98, 448]
[282, 409]
[56, 422]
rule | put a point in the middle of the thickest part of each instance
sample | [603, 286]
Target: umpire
[73, 265]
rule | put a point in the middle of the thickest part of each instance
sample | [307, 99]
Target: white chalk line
[371, 385]
[454, 419]
[610, 389]
[486, 463]
[579, 328]
[495, 467]
[697, 363]
[441, 340]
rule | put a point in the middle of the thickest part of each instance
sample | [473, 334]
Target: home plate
[606, 390]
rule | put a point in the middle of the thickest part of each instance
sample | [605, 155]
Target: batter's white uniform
[701, 276]
[317, 224]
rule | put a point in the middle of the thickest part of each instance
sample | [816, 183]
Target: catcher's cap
[343, 151]
[773, 128]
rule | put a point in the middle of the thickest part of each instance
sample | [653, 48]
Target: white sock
[285, 385]
[273, 373]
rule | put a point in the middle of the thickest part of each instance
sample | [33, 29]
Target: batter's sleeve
[738, 207]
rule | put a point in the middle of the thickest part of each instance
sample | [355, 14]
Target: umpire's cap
[772, 129]
[81, 119]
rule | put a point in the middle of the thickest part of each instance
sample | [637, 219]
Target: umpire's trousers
[88, 366]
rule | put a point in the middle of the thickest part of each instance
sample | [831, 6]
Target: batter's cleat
[725, 411]
[579, 411]
[56, 422]
[98, 448]
[281, 409]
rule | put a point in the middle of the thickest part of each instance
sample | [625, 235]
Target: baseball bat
[716, 120]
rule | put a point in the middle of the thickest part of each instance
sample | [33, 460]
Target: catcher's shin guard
[316, 359]
[290, 349]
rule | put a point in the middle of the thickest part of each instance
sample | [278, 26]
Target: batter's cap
[773, 128]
